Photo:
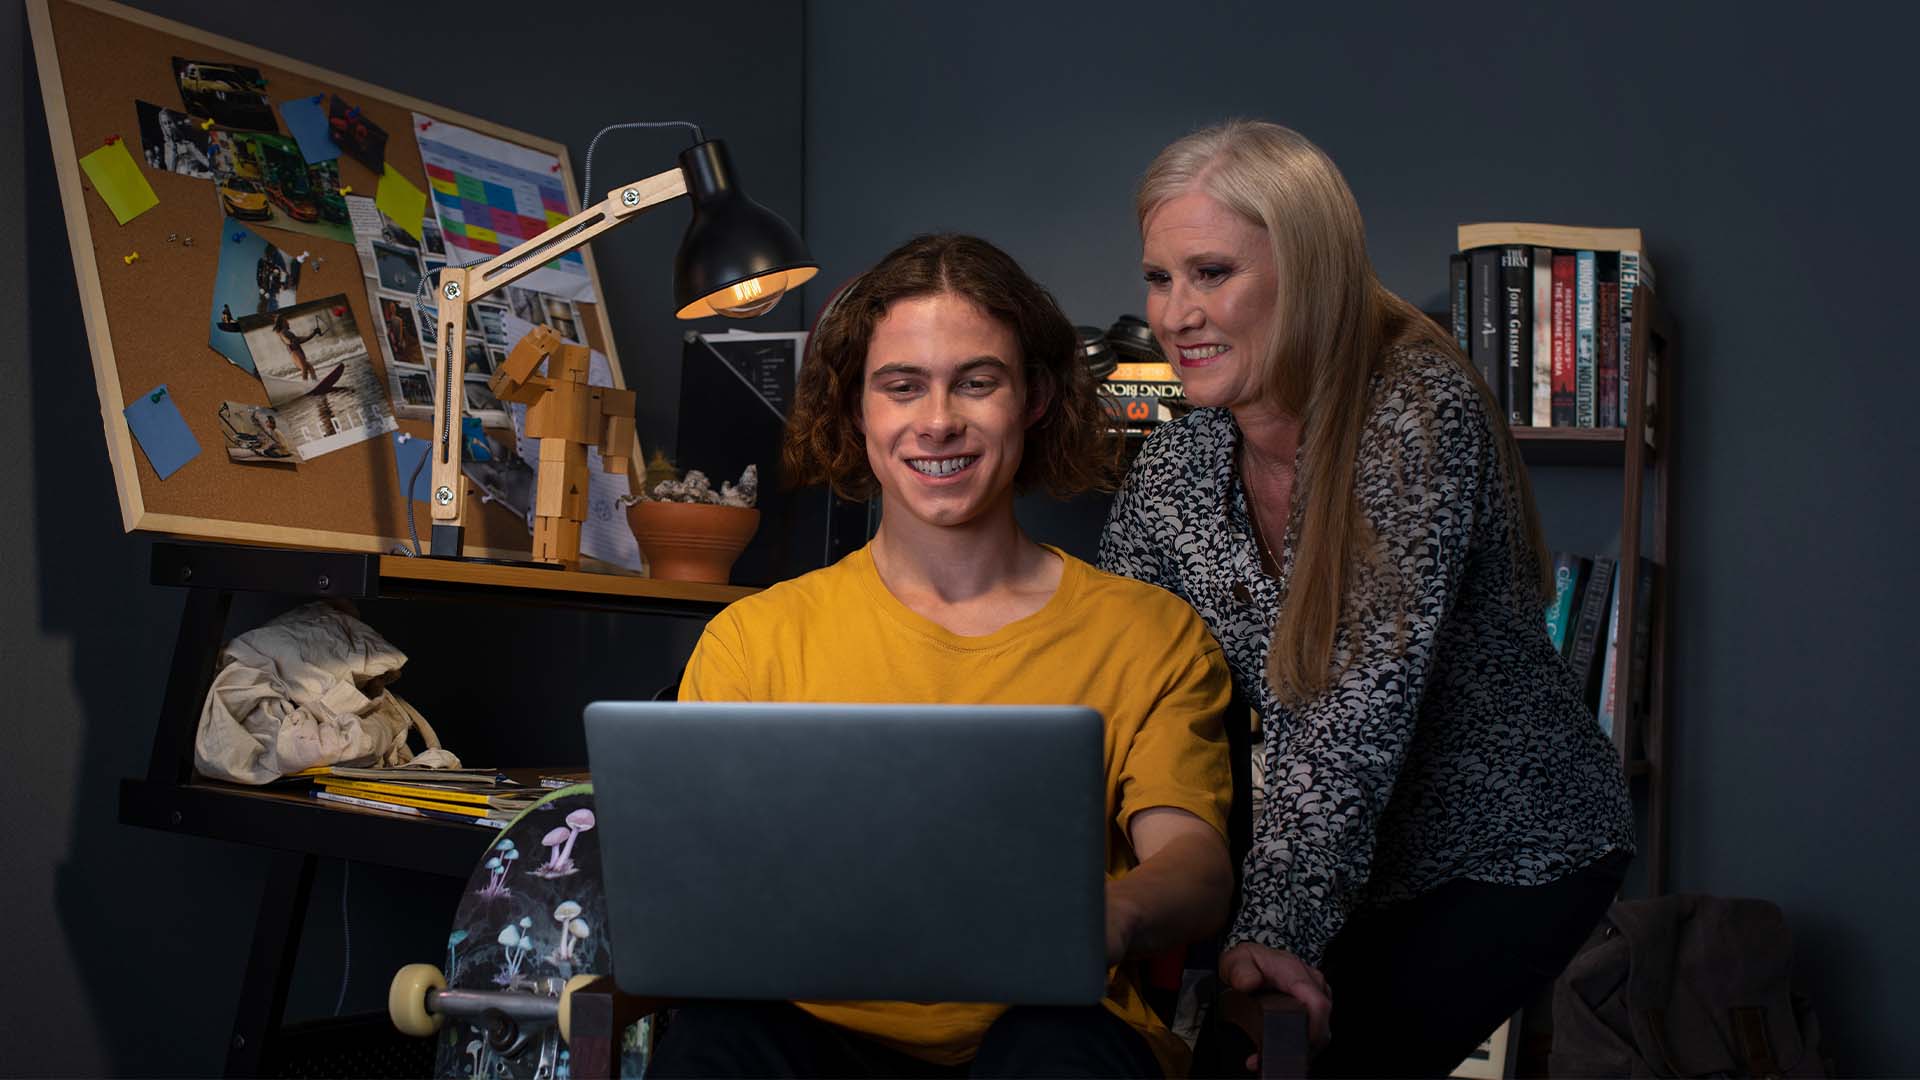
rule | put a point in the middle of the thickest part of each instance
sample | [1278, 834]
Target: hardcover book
[1569, 574]
[1484, 292]
[1629, 281]
[1542, 336]
[1589, 624]
[1516, 337]
[1583, 339]
[1608, 672]
[1606, 313]
[1457, 300]
[1564, 389]
[1639, 639]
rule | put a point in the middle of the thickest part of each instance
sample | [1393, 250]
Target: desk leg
[276, 942]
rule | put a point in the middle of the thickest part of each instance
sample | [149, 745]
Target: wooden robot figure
[567, 415]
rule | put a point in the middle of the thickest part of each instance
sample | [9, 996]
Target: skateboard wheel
[407, 999]
[566, 1004]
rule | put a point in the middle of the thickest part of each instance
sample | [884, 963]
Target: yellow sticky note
[119, 181]
[401, 201]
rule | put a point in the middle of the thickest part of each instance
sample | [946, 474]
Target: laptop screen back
[848, 852]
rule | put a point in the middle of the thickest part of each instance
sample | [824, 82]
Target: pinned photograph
[527, 306]
[253, 435]
[314, 365]
[562, 317]
[430, 233]
[482, 404]
[503, 477]
[403, 340]
[416, 392]
[253, 277]
[392, 233]
[174, 142]
[396, 268]
[362, 139]
[263, 178]
[230, 94]
[493, 324]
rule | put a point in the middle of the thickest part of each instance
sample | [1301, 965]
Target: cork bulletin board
[148, 320]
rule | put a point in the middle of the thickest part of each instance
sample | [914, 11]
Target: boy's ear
[1039, 396]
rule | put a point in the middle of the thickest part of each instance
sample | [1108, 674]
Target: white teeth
[1203, 352]
[942, 466]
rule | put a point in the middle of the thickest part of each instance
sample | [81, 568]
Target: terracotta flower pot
[691, 541]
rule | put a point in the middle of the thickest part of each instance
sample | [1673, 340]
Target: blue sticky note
[408, 454]
[162, 432]
[307, 122]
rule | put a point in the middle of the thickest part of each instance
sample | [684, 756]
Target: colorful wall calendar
[491, 195]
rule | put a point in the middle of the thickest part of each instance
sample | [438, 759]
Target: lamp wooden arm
[460, 286]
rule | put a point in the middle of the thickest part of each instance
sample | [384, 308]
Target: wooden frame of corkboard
[147, 320]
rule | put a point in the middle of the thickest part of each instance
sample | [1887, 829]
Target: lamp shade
[737, 256]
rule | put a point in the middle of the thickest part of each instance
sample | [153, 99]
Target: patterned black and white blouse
[1454, 743]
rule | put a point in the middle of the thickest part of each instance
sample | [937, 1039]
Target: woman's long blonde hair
[1333, 325]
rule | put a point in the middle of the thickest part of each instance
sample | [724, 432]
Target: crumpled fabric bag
[308, 688]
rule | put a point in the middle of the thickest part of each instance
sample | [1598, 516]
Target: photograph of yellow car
[242, 198]
[264, 178]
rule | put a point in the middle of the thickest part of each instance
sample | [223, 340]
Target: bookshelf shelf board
[1572, 446]
[401, 574]
[292, 821]
[365, 576]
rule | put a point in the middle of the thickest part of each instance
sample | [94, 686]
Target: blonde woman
[1444, 821]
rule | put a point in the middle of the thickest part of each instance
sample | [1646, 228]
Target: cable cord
[586, 186]
[346, 940]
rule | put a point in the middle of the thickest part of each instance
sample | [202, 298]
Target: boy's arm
[1178, 893]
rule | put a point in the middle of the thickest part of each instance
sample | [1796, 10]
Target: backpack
[1680, 986]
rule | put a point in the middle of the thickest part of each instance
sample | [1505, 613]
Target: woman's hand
[1249, 967]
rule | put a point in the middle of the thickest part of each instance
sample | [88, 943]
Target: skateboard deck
[533, 915]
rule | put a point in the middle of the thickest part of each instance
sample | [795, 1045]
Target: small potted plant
[690, 532]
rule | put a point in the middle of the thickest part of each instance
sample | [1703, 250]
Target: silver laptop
[846, 852]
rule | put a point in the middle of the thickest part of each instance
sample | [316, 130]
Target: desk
[301, 831]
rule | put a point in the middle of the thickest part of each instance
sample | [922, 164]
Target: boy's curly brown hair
[1068, 450]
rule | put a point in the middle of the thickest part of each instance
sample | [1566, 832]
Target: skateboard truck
[418, 1002]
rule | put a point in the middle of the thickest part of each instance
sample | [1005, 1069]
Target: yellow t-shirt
[1135, 652]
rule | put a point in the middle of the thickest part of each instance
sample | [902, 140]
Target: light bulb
[754, 296]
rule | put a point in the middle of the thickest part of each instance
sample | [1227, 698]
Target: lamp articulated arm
[461, 286]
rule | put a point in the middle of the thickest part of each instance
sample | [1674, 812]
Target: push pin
[300, 258]
[348, 190]
[130, 258]
[319, 261]
[205, 124]
[188, 242]
[171, 237]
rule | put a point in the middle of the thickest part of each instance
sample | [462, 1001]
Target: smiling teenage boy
[946, 379]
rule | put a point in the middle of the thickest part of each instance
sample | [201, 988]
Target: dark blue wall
[1768, 160]
[127, 946]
